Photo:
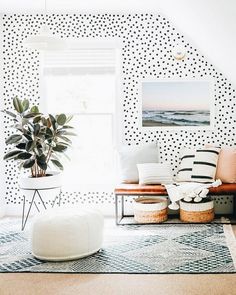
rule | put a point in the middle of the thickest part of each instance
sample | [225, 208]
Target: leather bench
[137, 189]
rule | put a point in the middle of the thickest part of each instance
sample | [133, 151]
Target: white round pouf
[59, 235]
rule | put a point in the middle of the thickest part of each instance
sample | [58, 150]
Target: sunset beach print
[180, 103]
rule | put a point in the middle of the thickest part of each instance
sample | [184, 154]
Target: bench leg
[234, 208]
[118, 209]
[122, 206]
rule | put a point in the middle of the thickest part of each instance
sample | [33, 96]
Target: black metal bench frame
[120, 211]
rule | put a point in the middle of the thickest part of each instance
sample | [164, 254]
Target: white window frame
[97, 43]
[117, 116]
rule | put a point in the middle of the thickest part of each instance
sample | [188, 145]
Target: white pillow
[155, 173]
[130, 156]
[186, 165]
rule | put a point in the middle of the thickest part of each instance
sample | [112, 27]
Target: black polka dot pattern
[146, 52]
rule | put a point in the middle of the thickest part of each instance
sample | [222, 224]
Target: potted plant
[37, 143]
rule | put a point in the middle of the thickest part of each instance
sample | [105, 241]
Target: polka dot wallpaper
[147, 43]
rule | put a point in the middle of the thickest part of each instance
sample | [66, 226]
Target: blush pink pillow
[226, 166]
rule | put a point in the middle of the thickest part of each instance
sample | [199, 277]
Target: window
[82, 82]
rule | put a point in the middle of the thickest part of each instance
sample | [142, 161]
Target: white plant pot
[53, 180]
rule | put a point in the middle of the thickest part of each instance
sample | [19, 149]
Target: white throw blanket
[188, 191]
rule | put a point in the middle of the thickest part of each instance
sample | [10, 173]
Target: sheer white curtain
[83, 82]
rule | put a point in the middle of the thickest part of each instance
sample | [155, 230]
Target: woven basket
[150, 210]
[197, 212]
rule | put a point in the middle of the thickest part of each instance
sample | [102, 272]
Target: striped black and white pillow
[204, 164]
[186, 165]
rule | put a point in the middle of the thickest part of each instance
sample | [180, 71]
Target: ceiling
[209, 24]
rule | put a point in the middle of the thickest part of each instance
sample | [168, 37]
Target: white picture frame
[176, 104]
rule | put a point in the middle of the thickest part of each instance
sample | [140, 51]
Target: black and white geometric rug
[149, 249]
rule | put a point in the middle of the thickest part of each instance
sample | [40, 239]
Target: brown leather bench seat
[137, 189]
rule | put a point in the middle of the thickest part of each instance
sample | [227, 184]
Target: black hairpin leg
[24, 220]
[36, 206]
[41, 199]
[23, 214]
[59, 199]
[37, 191]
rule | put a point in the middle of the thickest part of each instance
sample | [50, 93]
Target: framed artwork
[177, 103]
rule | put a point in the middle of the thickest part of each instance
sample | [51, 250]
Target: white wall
[210, 24]
[2, 166]
[147, 56]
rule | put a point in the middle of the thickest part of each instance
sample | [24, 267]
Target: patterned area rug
[150, 249]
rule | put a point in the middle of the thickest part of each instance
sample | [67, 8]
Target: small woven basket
[150, 210]
[197, 212]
